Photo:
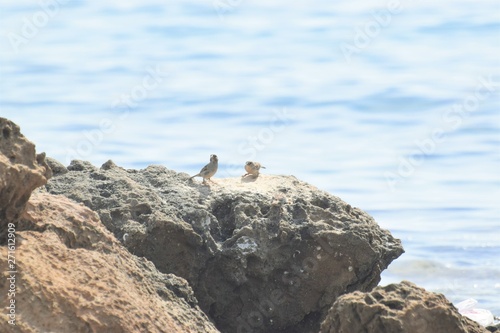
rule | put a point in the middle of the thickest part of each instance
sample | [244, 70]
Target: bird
[253, 168]
[208, 170]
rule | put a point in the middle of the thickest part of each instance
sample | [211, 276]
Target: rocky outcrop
[74, 276]
[266, 254]
[263, 254]
[63, 271]
[21, 171]
[396, 308]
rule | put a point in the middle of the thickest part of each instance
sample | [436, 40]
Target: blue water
[394, 110]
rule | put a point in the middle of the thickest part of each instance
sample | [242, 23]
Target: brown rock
[21, 171]
[74, 276]
[396, 308]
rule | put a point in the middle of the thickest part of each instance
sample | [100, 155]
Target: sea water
[391, 105]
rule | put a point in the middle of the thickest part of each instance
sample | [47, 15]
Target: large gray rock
[396, 308]
[21, 171]
[268, 255]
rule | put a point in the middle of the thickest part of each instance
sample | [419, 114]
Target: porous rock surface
[21, 171]
[74, 276]
[63, 271]
[396, 308]
[266, 254]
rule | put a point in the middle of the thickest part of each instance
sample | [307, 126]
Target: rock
[77, 165]
[109, 165]
[74, 276]
[56, 167]
[494, 328]
[396, 308]
[21, 171]
[270, 255]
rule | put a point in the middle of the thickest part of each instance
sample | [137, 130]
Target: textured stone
[270, 254]
[396, 308]
[21, 171]
[494, 328]
[74, 276]
[56, 167]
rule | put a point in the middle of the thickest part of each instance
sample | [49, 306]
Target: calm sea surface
[391, 105]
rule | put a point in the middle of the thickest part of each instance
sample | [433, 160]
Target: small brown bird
[208, 170]
[252, 168]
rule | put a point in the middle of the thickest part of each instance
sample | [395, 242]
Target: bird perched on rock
[252, 168]
[208, 170]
